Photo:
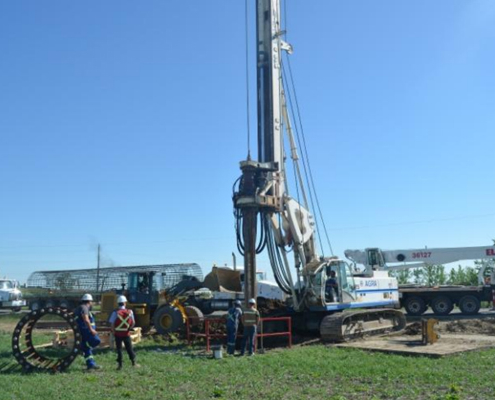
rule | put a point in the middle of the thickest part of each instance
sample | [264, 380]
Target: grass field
[172, 371]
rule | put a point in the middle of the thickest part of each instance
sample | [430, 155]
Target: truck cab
[266, 289]
[10, 295]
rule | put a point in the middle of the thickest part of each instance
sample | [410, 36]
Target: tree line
[434, 275]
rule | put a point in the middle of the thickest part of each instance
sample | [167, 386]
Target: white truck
[10, 295]
[417, 298]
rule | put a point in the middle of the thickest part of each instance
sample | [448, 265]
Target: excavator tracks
[349, 325]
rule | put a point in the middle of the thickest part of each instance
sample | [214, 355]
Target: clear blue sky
[123, 122]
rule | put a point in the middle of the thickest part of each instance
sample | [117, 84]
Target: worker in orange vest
[122, 321]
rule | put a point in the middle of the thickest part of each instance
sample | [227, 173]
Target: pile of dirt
[467, 327]
[470, 327]
[413, 329]
[271, 307]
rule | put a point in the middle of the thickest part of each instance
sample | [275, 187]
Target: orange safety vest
[123, 323]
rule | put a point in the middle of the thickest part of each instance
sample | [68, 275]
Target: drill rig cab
[322, 294]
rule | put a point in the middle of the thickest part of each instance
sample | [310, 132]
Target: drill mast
[262, 201]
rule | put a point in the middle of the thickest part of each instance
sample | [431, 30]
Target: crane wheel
[469, 305]
[168, 319]
[442, 305]
[415, 305]
[32, 358]
[194, 315]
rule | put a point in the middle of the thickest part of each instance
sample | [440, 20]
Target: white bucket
[217, 352]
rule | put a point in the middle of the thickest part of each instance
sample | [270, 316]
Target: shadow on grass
[180, 349]
[9, 365]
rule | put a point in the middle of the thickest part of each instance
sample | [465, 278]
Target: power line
[412, 222]
[115, 243]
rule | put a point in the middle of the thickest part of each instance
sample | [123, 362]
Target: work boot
[93, 367]
[136, 365]
[119, 367]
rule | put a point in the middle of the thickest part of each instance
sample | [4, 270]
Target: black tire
[168, 319]
[16, 309]
[415, 305]
[469, 304]
[195, 315]
[442, 305]
[206, 308]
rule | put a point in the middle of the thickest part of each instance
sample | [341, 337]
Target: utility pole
[98, 271]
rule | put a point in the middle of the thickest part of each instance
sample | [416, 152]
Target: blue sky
[123, 123]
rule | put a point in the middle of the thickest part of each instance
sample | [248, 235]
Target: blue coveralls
[88, 340]
[233, 317]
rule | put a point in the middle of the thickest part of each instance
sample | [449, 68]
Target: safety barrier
[208, 335]
[287, 333]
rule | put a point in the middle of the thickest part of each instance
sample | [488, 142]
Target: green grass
[312, 372]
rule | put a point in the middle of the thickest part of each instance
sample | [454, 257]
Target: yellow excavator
[152, 304]
[168, 309]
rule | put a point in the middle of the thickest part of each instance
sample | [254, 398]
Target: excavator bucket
[223, 280]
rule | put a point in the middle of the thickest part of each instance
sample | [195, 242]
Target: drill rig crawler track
[349, 325]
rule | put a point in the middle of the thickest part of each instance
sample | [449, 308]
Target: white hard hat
[87, 297]
[121, 299]
[237, 302]
[252, 301]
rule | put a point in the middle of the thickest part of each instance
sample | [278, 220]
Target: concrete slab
[448, 344]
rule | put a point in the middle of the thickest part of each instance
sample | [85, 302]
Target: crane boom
[374, 259]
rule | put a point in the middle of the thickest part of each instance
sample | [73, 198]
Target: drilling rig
[268, 218]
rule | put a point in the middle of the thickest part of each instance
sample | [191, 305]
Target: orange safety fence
[208, 335]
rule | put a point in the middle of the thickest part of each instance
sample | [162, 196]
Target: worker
[87, 327]
[331, 288]
[250, 320]
[121, 322]
[143, 284]
[233, 317]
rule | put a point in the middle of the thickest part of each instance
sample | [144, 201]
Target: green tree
[435, 275]
[457, 276]
[471, 276]
[452, 280]
[418, 276]
[402, 277]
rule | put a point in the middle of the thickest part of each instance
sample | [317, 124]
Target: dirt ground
[454, 337]
[466, 327]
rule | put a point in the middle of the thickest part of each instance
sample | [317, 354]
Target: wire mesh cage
[108, 278]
